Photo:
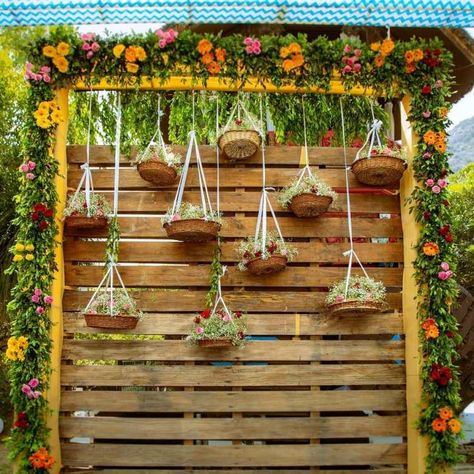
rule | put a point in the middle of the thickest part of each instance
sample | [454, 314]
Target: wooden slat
[175, 277]
[240, 376]
[387, 470]
[151, 227]
[288, 155]
[153, 201]
[181, 252]
[231, 428]
[261, 324]
[254, 351]
[243, 401]
[250, 301]
[228, 456]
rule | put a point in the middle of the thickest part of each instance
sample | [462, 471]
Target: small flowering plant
[166, 37]
[77, 206]
[190, 211]
[219, 324]
[116, 303]
[243, 123]
[89, 45]
[360, 289]
[156, 152]
[309, 184]
[391, 148]
[249, 250]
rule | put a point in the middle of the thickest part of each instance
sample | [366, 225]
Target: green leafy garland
[419, 68]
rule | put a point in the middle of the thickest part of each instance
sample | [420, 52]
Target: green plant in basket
[77, 206]
[361, 289]
[116, 303]
[190, 211]
[165, 154]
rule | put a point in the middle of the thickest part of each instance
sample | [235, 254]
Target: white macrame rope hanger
[373, 136]
[157, 135]
[351, 252]
[220, 299]
[306, 169]
[218, 183]
[238, 107]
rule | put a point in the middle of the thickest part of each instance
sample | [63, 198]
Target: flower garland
[420, 68]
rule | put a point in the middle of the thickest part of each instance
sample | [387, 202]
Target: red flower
[48, 213]
[247, 254]
[426, 90]
[446, 203]
[39, 207]
[437, 52]
[21, 420]
[43, 225]
[426, 215]
[206, 313]
[445, 230]
[450, 334]
[238, 314]
[441, 375]
[197, 319]
[258, 254]
[34, 216]
[449, 238]
[241, 335]
[272, 247]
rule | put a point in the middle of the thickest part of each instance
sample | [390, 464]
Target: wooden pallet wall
[314, 393]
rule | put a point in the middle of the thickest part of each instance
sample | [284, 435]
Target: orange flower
[204, 46]
[61, 63]
[220, 54]
[431, 249]
[440, 146]
[454, 425]
[443, 112]
[284, 52]
[49, 51]
[298, 60]
[445, 413]
[294, 48]
[430, 137]
[132, 67]
[418, 54]
[207, 58]
[409, 56]
[410, 67]
[387, 46]
[379, 60]
[214, 68]
[428, 323]
[140, 53]
[375, 46]
[441, 136]
[288, 65]
[41, 459]
[131, 54]
[432, 332]
[439, 425]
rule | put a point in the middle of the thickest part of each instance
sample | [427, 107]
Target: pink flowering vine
[166, 37]
[29, 388]
[252, 46]
[89, 45]
[42, 75]
[351, 60]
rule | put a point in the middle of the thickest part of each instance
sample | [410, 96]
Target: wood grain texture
[387, 470]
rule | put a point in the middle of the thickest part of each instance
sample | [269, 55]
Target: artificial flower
[61, 63]
[118, 50]
[207, 58]
[49, 51]
[445, 413]
[63, 48]
[375, 46]
[19, 247]
[430, 249]
[430, 137]
[140, 53]
[387, 46]
[439, 425]
[426, 90]
[214, 67]
[220, 54]
[441, 375]
[21, 420]
[204, 46]
[131, 54]
[454, 426]
[41, 459]
[132, 67]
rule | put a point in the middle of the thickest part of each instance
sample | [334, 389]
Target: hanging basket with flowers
[377, 164]
[241, 137]
[188, 222]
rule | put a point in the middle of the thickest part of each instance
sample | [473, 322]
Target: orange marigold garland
[212, 58]
[41, 459]
[292, 56]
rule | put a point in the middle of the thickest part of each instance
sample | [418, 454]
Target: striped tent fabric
[410, 13]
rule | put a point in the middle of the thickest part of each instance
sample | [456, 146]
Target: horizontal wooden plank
[178, 324]
[145, 201]
[239, 376]
[236, 401]
[232, 428]
[179, 276]
[237, 227]
[274, 351]
[275, 155]
[250, 301]
[387, 470]
[228, 456]
[181, 252]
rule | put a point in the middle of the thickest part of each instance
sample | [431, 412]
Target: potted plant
[380, 165]
[364, 295]
[191, 223]
[159, 165]
[307, 196]
[80, 216]
[264, 258]
[218, 328]
[239, 139]
[112, 310]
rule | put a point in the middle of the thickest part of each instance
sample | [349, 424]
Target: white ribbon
[157, 135]
[306, 169]
[118, 128]
[372, 136]
[218, 184]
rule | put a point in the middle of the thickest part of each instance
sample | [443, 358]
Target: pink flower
[226, 318]
[347, 49]
[426, 155]
[38, 292]
[248, 41]
[46, 78]
[24, 167]
[445, 266]
[350, 61]
[29, 66]
[35, 299]
[86, 46]
[346, 69]
[357, 67]
[45, 69]
[30, 176]
[39, 310]
[429, 183]
[31, 165]
[339, 298]
[438, 84]
[95, 47]
[35, 394]
[426, 114]
[257, 49]
[90, 54]
[87, 36]
[48, 299]
[442, 183]
[358, 52]
[199, 330]
[26, 389]
[37, 77]
[176, 217]
[284, 252]
[162, 43]
[249, 49]
[33, 383]
[445, 275]
[436, 189]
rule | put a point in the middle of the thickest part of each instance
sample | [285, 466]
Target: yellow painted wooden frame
[416, 444]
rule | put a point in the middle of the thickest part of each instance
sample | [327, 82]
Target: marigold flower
[204, 46]
[409, 56]
[298, 60]
[410, 67]
[418, 54]
[220, 54]
[428, 323]
[63, 49]
[432, 332]
[17, 258]
[207, 58]
[430, 137]
[454, 425]
[387, 46]
[49, 51]
[56, 116]
[430, 249]
[379, 60]
[439, 425]
[294, 48]
[284, 52]
[375, 46]
[288, 65]
[61, 63]
[140, 53]
[214, 67]
[118, 50]
[445, 413]
[131, 54]
[43, 123]
[11, 354]
[440, 146]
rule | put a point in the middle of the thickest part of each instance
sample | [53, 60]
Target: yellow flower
[43, 123]
[61, 63]
[56, 116]
[387, 46]
[118, 50]
[284, 52]
[375, 46]
[19, 247]
[52, 104]
[13, 343]
[418, 54]
[140, 53]
[294, 48]
[10, 354]
[22, 342]
[44, 105]
[132, 67]
[49, 51]
[63, 49]
[29, 257]
[40, 114]
[18, 258]
[20, 356]
[29, 247]
[131, 54]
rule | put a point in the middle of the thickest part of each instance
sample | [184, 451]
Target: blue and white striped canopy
[423, 13]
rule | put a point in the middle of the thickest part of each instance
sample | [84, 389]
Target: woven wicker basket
[77, 223]
[192, 230]
[239, 144]
[157, 172]
[220, 342]
[310, 205]
[105, 321]
[379, 170]
[353, 306]
[273, 264]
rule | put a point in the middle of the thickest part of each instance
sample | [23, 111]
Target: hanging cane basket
[273, 264]
[239, 144]
[219, 342]
[310, 205]
[157, 172]
[105, 321]
[356, 307]
[192, 230]
[379, 170]
[77, 223]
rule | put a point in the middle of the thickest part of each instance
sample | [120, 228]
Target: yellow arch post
[54, 393]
